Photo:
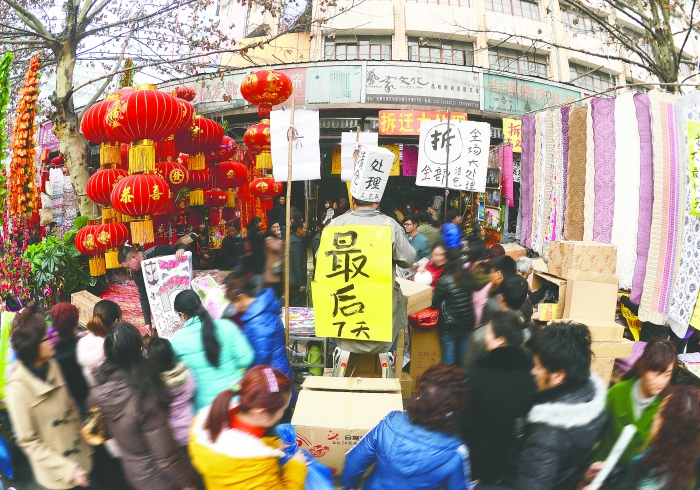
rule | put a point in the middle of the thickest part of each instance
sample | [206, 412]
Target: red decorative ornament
[266, 188]
[257, 139]
[215, 198]
[230, 174]
[112, 236]
[226, 150]
[266, 88]
[202, 137]
[92, 124]
[140, 196]
[185, 93]
[174, 173]
[57, 161]
[87, 244]
[198, 180]
[142, 117]
[99, 188]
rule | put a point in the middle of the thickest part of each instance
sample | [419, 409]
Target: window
[358, 48]
[590, 79]
[577, 23]
[441, 51]
[514, 61]
[517, 8]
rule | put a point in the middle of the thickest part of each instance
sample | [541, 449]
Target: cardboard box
[547, 311]
[85, 302]
[416, 295]
[601, 331]
[539, 279]
[591, 296]
[581, 256]
[406, 385]
[603, 367]
[425, 351]
[332, 414]
[618, 349]
[363, 366]
[514, 250]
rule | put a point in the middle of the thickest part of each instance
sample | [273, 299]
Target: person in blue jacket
[259, 316]
[215, 351]
[417, 449]
[450, 233]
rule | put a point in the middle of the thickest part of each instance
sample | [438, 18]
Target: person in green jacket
[216, 352]
[636, 400]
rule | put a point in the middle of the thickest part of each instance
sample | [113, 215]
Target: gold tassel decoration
[108, 213]
[196, 162]
[231, 203]
[263, 160]
[112, 258]
[142, 230]
[110, 155]
[197, 197]
[142, 157]
[97, 266]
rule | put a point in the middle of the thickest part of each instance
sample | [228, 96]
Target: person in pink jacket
[181, 385]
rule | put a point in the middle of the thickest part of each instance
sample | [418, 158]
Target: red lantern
[266, 88]
[142, 117]
[93, 126]
[185, 93]
[226, 150]
[202, 137]
[174, 173]
[57, 161]
[257, 139]
[215, 198]
[198, 180]
[230, 174]
[140, 196]
[87, 244]
[112, 236]
[99, 188]
[266, 188]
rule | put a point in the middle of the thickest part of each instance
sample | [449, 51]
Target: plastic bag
[318, 476]
[5, 460]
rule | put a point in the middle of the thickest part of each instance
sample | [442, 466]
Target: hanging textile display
[663, 236]
[589, 197]
[685, 291]
[540, 164]
[626, 197]
[646, 193]
[558, 175]
[505, 157]
[603, 111]
[576, 175]
[550, 190]
[565, 114]
[527, 179]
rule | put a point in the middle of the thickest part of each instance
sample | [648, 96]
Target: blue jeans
[454, 346]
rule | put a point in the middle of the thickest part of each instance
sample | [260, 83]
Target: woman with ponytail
[500, 391]
[216, 352]
[228, 447]
[89, 352]
[134, 403]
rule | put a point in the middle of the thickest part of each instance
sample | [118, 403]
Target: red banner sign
[407, 123]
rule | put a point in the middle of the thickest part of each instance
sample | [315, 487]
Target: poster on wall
[306, 151]
[411, 84]
[466, 143]
[354, 283]
[164, 278]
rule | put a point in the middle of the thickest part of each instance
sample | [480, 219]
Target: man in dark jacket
[232, 249]
[297, 265]
[131, 259]
[568, 415]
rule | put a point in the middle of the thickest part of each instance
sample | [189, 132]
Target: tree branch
[30, 20]
[690, 29]
[85, 19]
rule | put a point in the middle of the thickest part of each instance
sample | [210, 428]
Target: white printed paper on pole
[468, 143]
[347, 151]
[306, 151]
[164, 278]
[371, 173]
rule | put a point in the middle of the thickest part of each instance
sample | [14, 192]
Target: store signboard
[334, 84]
[404, 84]
[512, 134]
[407, 123]
[516, 96]
[214, 93]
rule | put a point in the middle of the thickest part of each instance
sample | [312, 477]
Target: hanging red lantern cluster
[111, 236]
[176, 175]
[87, 244]
[185, 93]
[225, 151]
[94, 129]
[266, 88]
[215, 198]
[140, 196]
[229, 175]
[266, 188]
[257, 139]
[204, 136]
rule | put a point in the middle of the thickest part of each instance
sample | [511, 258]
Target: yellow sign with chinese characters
[396, 166]
[512, 134]
[353, 290]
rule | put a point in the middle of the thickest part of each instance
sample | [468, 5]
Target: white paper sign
[306, 151]
[614, 456]
[468, 143]
[347, 151]
[165, 277]
[371, 173]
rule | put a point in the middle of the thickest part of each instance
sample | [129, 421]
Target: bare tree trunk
[74, 148]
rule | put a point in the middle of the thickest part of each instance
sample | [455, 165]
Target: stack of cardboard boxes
[588, 286]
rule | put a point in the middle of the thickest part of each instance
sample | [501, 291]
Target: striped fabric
[527, 179]
[589, 198]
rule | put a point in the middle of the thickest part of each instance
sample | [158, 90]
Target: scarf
[576, 176]
[604, 163]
